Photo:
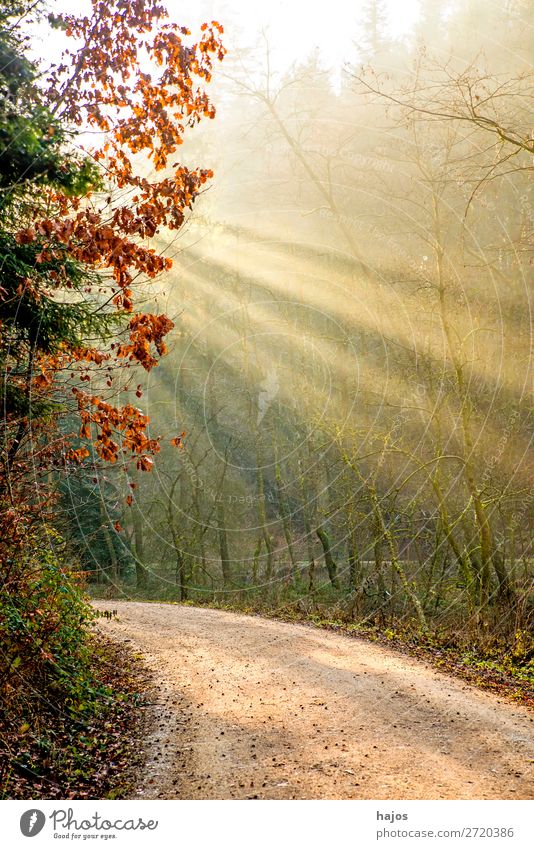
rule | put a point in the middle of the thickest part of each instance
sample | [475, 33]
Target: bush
[43, 639]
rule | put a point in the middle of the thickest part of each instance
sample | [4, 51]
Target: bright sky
[294, 27]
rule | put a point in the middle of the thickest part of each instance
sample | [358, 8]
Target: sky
[294, 27]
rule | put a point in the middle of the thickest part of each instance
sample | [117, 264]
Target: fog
[351, 361]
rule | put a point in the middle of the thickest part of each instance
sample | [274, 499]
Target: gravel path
[251, 708]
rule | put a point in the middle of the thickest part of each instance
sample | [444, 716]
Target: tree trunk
[330, 563]
[485, 536]
[354, 560]
[286, 523]
[113, 574]
[141, 573]
[395, 561]
[180, 576]
[226, 566]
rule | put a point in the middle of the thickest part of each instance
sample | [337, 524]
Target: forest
[351, 360]
[275, 362]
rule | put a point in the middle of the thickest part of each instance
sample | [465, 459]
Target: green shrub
[43, 617]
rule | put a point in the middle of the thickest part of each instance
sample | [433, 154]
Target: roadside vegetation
[73, 256]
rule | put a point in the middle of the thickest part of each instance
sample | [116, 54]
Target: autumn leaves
[100, 84]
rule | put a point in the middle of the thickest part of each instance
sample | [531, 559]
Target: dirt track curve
[251, 708]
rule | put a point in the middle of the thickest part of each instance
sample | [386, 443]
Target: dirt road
[251, 708]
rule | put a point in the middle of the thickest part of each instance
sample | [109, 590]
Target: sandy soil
[249, 708]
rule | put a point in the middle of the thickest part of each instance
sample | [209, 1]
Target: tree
[73, 236]
[89, 514]
[73, 239]
[374, 25]
[446, 116]
[75, 230]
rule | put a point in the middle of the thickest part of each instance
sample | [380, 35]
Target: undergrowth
[69, 703]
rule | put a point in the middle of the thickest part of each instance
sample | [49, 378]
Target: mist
[351, 361]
